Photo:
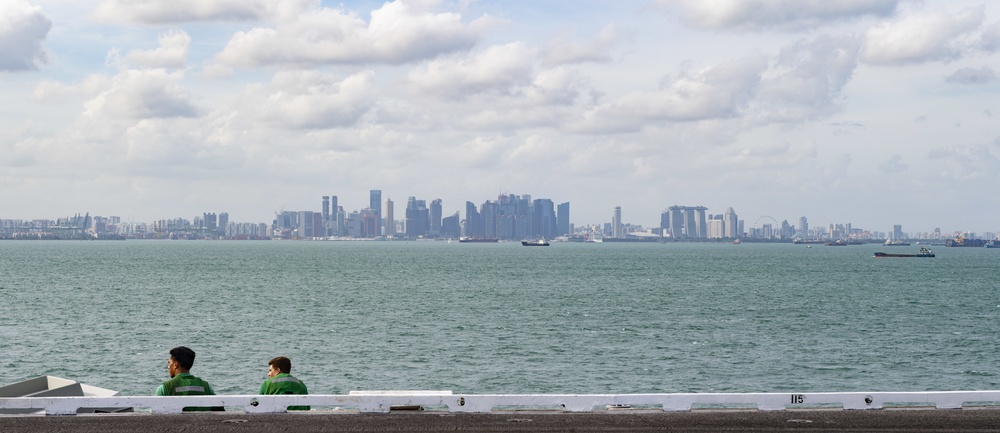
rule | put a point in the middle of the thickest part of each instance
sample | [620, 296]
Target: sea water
[501, 318]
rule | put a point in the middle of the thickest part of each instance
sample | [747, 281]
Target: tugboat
[538, 243]
[924, 252]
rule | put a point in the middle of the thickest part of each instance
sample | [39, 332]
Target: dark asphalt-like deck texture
[916, 421]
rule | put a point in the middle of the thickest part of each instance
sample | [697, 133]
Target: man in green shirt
[182, 382]
[279, 381]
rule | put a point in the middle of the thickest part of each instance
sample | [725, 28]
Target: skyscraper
[417, 218]
[700, 222]
[543, 218]
[616, 223]
[223, 222]
[562, 219]
[730, 224]
[676, 218]
[375, 204]
[390, 221]
[326, 209]
[435, 216]
[473, 224]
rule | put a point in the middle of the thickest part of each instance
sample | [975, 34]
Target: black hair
[183, 356]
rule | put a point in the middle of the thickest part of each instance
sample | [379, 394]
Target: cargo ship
[480, 240]
[538, 243]
[924, 252]
[960, 241]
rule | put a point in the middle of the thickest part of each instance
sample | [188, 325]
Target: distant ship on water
[478, 240]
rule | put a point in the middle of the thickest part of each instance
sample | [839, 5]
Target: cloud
[921, 37]
[171, 53]
[717, 92]
[397, 33]
[754, 15]
[309, 100]
[807, 79]
[143, 94]
[55, 91]
[893, 165]
[23, 28]
[990, 39]
[179, 11]
[498, 69]
[565, 51]
[974, 76]
[966, 162]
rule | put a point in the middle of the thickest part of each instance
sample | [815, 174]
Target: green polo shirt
[187, 384]
[284, 383]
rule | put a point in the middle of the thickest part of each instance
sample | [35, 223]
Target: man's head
[181, 360]
[278, 365]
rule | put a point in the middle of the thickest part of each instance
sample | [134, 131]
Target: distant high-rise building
[488, 213]
[543, 218]
[417, 218]
[223, 222]
[676, 222]
[375, 204]
[716, 227]
[370, 223]
[700, 222]
[211, 222]
[435, 216]
[305, 224]
[326, 208]
[562, 220]
[390, 221]
[616, 223]
[450, 226]
[473, 223]
[803, 227]
[340, 229]
[730, 224]
[334, 224]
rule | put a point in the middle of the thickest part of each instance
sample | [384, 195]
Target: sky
[870, 112]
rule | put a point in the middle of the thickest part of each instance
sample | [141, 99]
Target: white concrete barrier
[386, 401]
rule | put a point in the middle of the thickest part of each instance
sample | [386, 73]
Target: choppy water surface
[500, 318]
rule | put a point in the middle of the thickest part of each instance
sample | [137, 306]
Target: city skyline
[708, 223]
[874, 112]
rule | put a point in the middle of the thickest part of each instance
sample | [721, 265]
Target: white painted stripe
[189, 388]
[483, 403]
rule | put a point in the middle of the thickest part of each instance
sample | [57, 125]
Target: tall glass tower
[375, 203]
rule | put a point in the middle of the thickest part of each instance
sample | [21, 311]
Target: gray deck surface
[987, 420]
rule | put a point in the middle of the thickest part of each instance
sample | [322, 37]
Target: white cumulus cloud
[171, 53]
[143, 94]
[565, 50]
[177, 11]
[498, 69]
[396, 33]
[309, 100]
[717, 92]
[922, 36]
[780, 14]
[807, 79]
[23, 29]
